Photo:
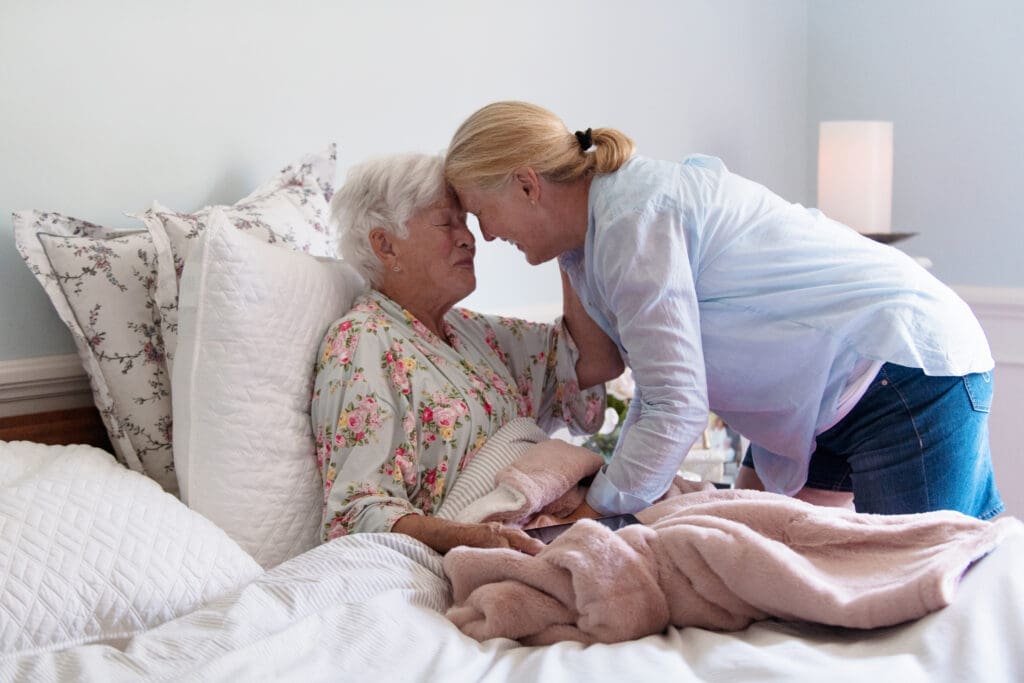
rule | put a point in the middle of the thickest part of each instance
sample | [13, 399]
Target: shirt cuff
[607, 499]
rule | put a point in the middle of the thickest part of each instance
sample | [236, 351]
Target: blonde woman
[847, 365]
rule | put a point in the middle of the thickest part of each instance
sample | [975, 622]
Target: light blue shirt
[721, 295]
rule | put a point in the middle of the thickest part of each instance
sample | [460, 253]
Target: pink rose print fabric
[398, 413]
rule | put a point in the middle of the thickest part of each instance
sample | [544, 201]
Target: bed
[152, 559]
[372, 606]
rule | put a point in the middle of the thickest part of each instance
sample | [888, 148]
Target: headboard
[73, 425]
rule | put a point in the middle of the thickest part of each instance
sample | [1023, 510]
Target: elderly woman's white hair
[384, 192]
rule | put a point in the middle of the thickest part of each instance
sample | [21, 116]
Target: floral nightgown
[397, 413]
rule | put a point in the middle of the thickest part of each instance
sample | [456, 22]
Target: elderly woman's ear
[383, 245]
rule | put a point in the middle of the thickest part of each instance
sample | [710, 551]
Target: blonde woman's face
[508, 214]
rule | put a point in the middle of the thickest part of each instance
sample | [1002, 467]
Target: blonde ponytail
[612, 148]
[501, 137]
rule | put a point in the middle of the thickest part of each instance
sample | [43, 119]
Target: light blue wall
[109, 104]
[950, 75]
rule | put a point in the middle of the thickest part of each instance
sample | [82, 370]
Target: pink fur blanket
[714, 559]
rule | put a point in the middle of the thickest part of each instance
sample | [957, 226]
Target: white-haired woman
[409, 388]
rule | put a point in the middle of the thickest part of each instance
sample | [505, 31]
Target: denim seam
[973, 400]
[998, 509]
[913, 422]
[833, 486]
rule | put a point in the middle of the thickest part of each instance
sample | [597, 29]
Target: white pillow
[291, 210]
[251, 318]
[91, 551]
[117, 293]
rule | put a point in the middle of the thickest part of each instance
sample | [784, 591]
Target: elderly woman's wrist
[408, 524]
[439, 534]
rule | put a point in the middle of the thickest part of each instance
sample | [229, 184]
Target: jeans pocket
[979, 391]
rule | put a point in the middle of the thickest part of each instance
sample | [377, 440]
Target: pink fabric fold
[717, 559]
[547, 478]
[547, 475]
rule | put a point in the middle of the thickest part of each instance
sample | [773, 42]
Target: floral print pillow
[101, 281]
[105, 286]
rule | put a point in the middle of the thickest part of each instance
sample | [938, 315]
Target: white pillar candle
[855, 174]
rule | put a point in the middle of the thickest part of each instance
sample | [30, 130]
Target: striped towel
[469, 500]
[520, 473]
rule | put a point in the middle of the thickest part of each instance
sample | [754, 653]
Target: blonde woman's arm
[599, 360]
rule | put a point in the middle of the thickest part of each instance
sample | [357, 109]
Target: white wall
[948, 74]
[110, 104]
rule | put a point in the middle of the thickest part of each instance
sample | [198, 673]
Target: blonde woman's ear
[529, 183]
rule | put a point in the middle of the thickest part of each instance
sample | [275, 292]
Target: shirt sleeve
[542, 360]
[647, 282]
[364, 429]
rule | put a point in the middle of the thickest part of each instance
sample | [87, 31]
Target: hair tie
[586, 140]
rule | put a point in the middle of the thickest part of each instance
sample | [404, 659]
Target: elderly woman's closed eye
[409, 388]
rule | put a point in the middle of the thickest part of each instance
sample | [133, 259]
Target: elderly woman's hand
[443, 535]
[496, 535]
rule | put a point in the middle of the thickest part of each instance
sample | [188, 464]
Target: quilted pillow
[290, 210]
[252, 318]
[91, 551]
[105, 286]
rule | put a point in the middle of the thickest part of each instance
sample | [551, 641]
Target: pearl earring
[397, 269]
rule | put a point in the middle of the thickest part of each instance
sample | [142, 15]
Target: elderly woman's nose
[465, 238]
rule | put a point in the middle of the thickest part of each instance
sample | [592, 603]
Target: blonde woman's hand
[584, 511]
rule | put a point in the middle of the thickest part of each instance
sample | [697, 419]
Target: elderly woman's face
[438, 253]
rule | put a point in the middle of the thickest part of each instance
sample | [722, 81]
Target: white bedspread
[368, 608]
[90, 550]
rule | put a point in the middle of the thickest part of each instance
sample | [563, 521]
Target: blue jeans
[913, 443]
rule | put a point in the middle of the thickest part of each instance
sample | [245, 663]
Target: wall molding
[33, 385]
[1000, 310]
[45, 383]
[1000, 301]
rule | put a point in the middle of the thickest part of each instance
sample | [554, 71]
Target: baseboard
[43, 384]
[1000, 310]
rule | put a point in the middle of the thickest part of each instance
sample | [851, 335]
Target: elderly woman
[408, 389]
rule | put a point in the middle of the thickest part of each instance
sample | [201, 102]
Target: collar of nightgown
[436, 349]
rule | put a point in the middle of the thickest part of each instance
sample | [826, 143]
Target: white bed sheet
[368, 608]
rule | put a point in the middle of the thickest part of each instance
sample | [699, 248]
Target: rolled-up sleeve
[647, 283]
